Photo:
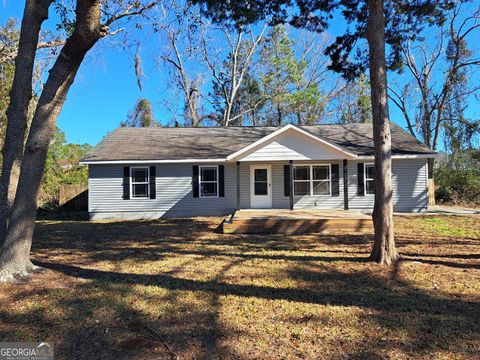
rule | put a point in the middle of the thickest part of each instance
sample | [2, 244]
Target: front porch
[293, 169]
[253, 221]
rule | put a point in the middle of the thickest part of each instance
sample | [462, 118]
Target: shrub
[457, 185]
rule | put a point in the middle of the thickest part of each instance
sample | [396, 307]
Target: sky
[105, 88]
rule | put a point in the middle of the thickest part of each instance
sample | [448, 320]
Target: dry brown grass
[121, 290]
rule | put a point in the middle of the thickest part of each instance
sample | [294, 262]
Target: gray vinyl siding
[409, 183]
[174, 196]
[175, 199]
[279, 200]
[356, 202]
[244, 185]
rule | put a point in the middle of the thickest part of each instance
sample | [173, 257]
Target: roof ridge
[236, 127]
[219, 142]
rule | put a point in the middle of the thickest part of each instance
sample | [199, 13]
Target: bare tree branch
[434, 100]
[134, 9]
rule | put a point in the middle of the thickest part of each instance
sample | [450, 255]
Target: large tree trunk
[383, 251]
[15, 252]
[35, 13]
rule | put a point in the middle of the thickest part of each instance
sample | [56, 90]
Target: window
[208, 181]
[301, 180]
[369, 176]
[140, 182]
[260, 179]
[321, 180]
[311, 180]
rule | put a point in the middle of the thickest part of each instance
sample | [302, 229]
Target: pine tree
[279, 69]
[141, 116]
[355, 104]
[379, 23]
[291, 96]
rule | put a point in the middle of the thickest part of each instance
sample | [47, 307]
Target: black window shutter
[221, 180]
[286, 180]
[126, 183]
[335, 178]
[195, 181]
[360, 177]
[153, 176]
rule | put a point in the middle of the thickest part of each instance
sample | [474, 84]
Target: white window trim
[140, 183]
[329, 179]
[365, 178]
[207, 182]
[312, 180]
[302, 181]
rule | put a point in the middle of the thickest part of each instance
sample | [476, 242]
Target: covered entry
[291, 169]
[261, 186]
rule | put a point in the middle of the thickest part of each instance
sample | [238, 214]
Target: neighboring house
[180, 172]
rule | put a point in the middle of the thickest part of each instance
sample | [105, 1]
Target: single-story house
[180, 172]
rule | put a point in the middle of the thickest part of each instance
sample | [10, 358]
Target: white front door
[260, 186]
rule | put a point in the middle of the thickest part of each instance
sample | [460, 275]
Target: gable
[292, 144]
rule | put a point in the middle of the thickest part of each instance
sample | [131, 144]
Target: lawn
[162, 289]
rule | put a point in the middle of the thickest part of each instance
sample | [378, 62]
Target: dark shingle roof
[358, 138]
[215, 143]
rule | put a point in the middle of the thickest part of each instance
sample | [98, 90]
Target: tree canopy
[61, 167]
[141, 116]
[382, 24]
[403, 21]
[24, 161]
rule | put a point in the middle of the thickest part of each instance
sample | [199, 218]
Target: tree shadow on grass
[154, 240]
[445, 256]
[110, 319]
[67, 235]
[105, 318]
[186, 308]
[444, 263]
[162, 252]
[423, 315]
[429, 321]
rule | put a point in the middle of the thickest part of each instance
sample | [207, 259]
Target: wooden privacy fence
[431, 192]
[73, 197]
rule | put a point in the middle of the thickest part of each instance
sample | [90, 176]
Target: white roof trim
[412, 156]
[283, 129]
[104, 162]
[203, 161]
